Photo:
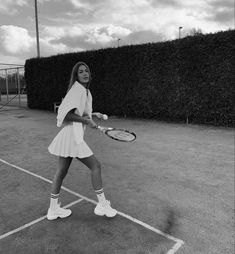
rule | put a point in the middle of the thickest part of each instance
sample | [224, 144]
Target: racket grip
[99, 128]
[103, 129]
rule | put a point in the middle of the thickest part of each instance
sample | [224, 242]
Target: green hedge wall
[191, 78]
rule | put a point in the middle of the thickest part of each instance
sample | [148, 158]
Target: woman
[75, 113]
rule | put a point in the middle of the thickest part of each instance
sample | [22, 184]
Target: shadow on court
[176, 178]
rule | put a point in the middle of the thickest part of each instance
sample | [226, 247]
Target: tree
[195, 31]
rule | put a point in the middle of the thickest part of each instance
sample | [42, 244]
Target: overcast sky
[76, 25]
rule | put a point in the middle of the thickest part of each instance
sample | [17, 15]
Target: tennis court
[173, 188]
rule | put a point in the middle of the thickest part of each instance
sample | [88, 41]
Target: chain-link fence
[12, 87]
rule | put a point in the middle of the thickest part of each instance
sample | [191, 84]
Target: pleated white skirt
[64, 145]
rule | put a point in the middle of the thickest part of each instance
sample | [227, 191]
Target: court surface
[173, 188]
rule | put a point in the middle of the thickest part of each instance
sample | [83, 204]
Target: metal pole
[0, 94]
[7, 87]
[179, 31]
[18, 81]
[12, 64]
[118, 41]
[37, 33]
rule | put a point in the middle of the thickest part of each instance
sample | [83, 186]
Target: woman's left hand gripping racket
[118, 134]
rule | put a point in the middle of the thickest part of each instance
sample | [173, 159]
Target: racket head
[120, 134]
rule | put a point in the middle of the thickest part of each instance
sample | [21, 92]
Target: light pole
[37, 33]
[179, 31]
[118, 41]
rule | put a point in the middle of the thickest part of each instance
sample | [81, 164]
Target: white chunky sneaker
[105, 209]
[58, 212]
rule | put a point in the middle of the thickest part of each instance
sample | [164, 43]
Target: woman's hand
[100, 116]
[88, 121]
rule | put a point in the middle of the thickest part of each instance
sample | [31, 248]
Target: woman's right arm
[72, 117]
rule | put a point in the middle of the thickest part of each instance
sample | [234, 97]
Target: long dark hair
[74, 75]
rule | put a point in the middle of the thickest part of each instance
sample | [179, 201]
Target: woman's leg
[94, 165]
[103, 207]
[55, 210]
[64, 163]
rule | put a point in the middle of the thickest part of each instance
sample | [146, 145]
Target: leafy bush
[191, 78]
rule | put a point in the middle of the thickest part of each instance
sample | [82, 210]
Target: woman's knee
[62, 172]
[63, 167]
[91, 162]
[96, 166]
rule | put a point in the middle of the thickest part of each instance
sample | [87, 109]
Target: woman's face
[83, 74]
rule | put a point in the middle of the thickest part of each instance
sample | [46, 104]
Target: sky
[79, 25]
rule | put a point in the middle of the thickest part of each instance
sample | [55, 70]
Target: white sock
[100, 196]
[54, 200]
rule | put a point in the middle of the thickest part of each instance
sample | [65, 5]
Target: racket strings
[122, 135]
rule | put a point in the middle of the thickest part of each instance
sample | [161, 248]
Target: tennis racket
[118, 134]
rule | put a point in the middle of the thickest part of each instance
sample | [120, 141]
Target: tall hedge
[191, 78]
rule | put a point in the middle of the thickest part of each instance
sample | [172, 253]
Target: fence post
[7, 86]
[18, 83]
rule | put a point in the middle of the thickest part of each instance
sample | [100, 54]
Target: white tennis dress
[69, 141]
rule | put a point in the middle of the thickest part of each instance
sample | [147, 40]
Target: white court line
[143, 224]
[173, 250]
[49, 181]
[175, 247]
[34, 221]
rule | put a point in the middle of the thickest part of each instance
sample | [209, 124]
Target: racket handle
[103, 129]
[100, 128]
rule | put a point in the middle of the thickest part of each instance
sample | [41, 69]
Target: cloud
[164, 3]
[221, 11]
[84, 6]
[107, 36]
[218, 3]
[13, 2]
[81, 4]
[144, 36]
[76, 25]
[15, 39]
[9, 6]
[55, 32]
[107, 33]
[42, 1]
[159, 16]
[223, 16]
[6, 58]
[86, 37]
[48, 48]
[205, 12]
